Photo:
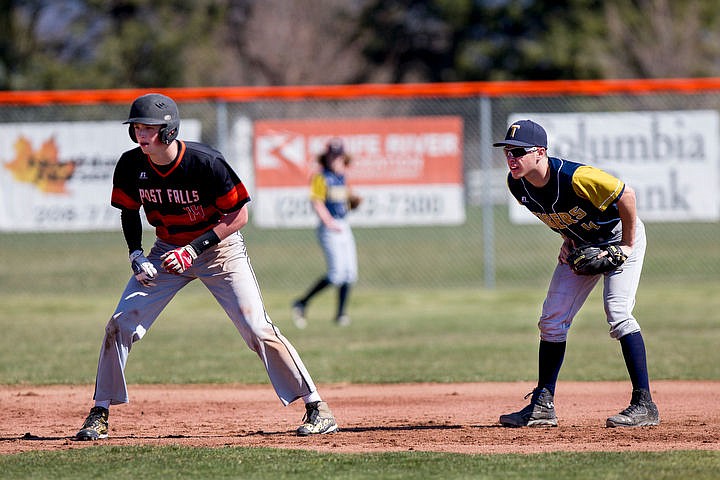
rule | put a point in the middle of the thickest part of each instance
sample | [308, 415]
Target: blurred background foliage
[79, 44]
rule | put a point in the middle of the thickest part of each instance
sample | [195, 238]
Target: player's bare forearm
[325, 217]
[628, 215]
[231, 223]
[180, 259]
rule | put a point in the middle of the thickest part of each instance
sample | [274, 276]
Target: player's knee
[263, 341]
[119, 330]
[112, 327]
[622, 328]
[553, 337]
[338, 278]
[553, 329]
[256, 331]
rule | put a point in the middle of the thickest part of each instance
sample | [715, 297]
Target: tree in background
[280, 42]
[660, 39]
[413, 41]
[16, 43]
[170, 43]
[93, 44]
[466, 40]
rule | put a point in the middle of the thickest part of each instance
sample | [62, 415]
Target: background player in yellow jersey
[331, 199]
[586, 206]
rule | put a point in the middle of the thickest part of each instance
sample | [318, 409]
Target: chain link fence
[489, 249]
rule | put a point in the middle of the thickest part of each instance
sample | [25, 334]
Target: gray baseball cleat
[642, 412]
[539, 413]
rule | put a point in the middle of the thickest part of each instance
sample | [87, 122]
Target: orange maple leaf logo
[40, 167]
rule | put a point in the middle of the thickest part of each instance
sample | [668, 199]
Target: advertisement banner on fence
[58, 176]
[408, 170]
[670, 158]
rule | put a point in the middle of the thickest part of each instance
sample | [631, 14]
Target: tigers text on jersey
[184, 199]
[330, 188]
[579, 201]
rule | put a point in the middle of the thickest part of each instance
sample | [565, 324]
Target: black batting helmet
[155, 109]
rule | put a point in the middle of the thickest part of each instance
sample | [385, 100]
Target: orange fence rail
[443, 90]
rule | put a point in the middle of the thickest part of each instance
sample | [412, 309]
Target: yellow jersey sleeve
[318, 188]
[597, 186]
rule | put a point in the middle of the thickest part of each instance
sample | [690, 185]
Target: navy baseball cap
[524, 133]
[335, 148]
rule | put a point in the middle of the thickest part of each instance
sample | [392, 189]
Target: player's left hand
[596, 260]
[178, 260]
[143, 269]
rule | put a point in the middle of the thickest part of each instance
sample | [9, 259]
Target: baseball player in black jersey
[197, 205]
[586, 206]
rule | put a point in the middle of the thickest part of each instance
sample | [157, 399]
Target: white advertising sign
[58, 176]
[670, 158]
[381, 206]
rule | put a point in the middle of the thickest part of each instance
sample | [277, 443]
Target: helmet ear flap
[169, 132]
[166, 134]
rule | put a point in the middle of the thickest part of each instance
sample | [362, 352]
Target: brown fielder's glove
[354, 201]
[585, 260]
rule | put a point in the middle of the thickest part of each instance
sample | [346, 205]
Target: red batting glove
[178, 260]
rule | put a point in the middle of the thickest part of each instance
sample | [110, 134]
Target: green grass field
[193, 341]
[260, 463]
[421, 291]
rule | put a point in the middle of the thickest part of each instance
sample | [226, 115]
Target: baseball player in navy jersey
[586, 206]
[197, 204]
[331, 198]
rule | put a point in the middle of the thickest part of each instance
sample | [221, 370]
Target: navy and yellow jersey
[579, 201]
[181, 201]
[330, 188]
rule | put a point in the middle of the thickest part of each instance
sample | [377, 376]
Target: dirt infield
[458, 418]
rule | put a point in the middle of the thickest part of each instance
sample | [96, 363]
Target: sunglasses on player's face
[518, 152]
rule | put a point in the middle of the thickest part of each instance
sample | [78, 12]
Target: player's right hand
[145, 271]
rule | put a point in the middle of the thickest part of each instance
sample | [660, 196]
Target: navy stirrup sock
[550, 359]
[633, 349]
[342, 298]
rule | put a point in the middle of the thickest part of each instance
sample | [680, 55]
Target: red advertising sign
[408, 170]
[384, 151]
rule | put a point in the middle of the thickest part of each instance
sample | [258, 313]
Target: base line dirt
[460, 418]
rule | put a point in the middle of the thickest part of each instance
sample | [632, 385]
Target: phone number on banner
[395, 205]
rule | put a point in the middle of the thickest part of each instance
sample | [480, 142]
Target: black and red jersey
[181, 201]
